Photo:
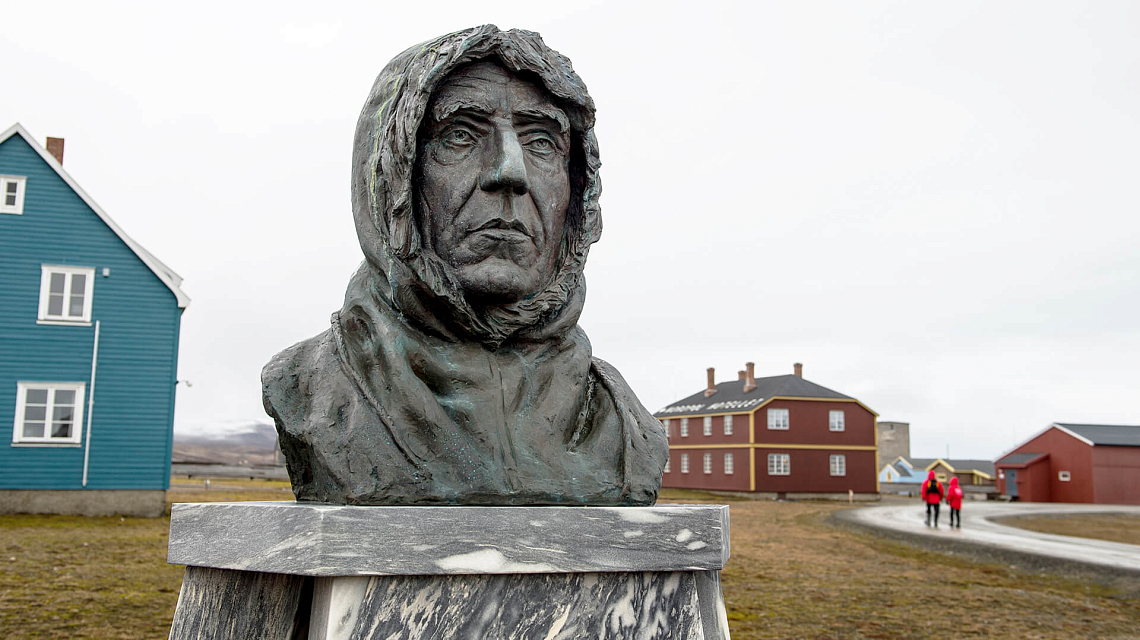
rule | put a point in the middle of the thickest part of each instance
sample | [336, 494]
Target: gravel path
[980, 528]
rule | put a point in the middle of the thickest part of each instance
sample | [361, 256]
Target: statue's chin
[497, 281]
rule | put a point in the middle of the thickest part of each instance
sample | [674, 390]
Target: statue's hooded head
[475, 187]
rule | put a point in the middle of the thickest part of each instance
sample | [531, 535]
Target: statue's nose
[506, 169]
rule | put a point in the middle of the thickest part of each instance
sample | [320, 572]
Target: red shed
[779, 435]
[1096, 463]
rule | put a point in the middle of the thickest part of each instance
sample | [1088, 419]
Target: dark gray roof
[1117, 435]
[959, 464]
[1019, 458]
[730, 396]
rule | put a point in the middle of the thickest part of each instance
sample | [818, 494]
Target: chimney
[749, 376]
[742, 374]
[799, 369]
[712, 383]
[55, 147]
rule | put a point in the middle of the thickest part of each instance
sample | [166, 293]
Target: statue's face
[494, 181]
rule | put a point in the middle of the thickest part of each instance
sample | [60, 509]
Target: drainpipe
[90, 403]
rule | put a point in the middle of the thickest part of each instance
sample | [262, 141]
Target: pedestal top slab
[334, 540]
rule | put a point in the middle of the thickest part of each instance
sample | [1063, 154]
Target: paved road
[979, 528]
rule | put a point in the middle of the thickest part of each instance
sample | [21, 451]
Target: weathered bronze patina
[456, 372]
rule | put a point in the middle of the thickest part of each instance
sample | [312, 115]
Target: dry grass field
[793, 574]
[1114, 527]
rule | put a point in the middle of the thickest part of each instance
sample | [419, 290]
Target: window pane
[34, 413]
[10, 199]
[55, 304]
[13, 186]
[37, 396]
[61, 429]
[76, 308]
[33, 429]
[78, 283]
[64, 396]
[57, 282]
[64, 413]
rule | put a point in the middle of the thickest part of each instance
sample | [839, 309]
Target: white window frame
[1064, 476]
[728, 425]
[22, 389]
[835, 420]
[666, 465]
[684, 427]
[779, 419]
[779, 464]
[665, 423]
[708, 463]
[837, 463]
[69, 272]
[684, 463]
[21, 183]
[729, 466]
[708, 425]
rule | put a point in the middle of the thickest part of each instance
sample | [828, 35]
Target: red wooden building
[1097, 463]
[779, 435]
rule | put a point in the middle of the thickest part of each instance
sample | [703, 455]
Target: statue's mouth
[501, 230]
[503, 235]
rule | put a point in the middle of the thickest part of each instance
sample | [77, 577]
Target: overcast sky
[933, 206]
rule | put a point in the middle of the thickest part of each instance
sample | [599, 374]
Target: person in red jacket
[954, 499]
[932, 494]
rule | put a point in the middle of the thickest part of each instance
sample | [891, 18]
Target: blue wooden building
[89, 324]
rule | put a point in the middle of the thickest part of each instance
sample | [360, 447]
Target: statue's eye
[541, 144]
[459, 137]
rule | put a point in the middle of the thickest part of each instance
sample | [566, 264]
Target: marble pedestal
[320, 572]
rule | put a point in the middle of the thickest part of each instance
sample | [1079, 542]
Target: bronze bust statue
[456, 372]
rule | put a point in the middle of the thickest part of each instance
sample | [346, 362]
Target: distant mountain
[242, 444]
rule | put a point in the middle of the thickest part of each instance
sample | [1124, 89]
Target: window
[728, 466]
[65, 293]
[665, 422]
[684, 463]
[835, 420]
[48, 412]
[684, 427]
[708, 425]
[839, 465]
[777, 418]
[12, 194]
[1064, 476]
[728, 425]
[666, 466]
[708, 463]
[779, 464]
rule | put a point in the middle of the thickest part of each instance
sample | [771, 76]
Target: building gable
[164, 273]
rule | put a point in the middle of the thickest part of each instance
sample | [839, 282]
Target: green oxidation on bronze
[456, 372]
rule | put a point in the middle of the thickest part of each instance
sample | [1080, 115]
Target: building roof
[172, 280]
[958, 465]
[1020, 458]
[1115, 435]
[730, 396]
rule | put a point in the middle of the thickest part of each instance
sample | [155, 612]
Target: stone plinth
[291, 571]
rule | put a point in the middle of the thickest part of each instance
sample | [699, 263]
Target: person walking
[932, 494]
[954, 499]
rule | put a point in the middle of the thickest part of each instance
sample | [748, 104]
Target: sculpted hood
[400, 268]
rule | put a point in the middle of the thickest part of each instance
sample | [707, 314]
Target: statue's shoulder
[624, 397]
[286, 381]
[648, 447]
